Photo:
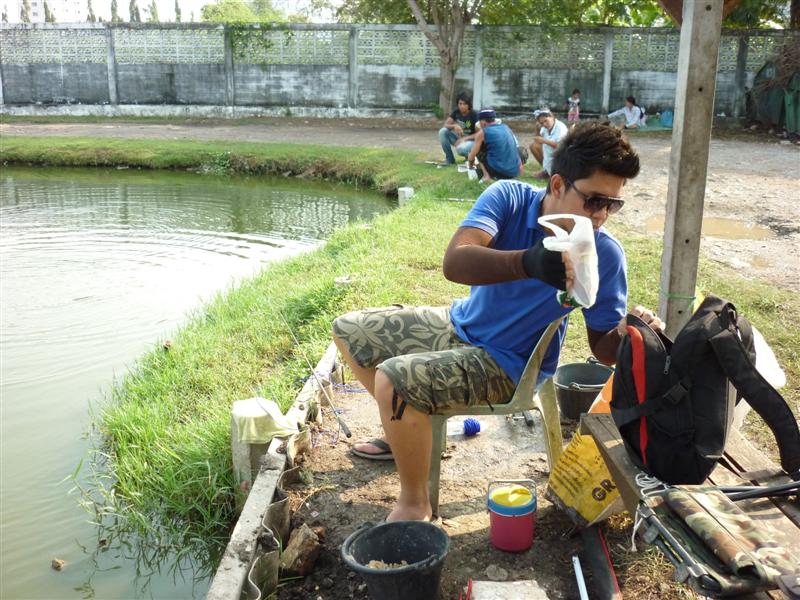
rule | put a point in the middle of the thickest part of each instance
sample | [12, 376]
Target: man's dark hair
[466, 97]
[593, 146]
[632, 100]
[576, 91]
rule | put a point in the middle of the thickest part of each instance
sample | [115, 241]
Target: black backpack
[673, 403]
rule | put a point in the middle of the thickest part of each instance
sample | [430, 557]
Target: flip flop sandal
[384, 454]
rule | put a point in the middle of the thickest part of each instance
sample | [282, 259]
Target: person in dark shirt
[496, 149]
[459, 129]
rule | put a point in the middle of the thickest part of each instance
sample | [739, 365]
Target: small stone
[496, 573]
[327, 583]
[57, 564]
[351, 575]
[362, 587]
[302, 551]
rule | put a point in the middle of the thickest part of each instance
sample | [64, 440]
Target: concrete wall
[356, 67]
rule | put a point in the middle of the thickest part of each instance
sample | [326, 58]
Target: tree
[236, 11]
[153, 12]
[133, 8]
[794, 14]
[49, 17]
[4, 17]
[90, 18]
[25, 12]
[115, 18]
[177, 12]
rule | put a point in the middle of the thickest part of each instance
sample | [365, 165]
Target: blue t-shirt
[501, 150]
[507, 319]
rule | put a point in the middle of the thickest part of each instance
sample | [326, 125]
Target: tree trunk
[794, 14]
[447, 74]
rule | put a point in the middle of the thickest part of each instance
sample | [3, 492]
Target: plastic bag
[579, 243]
[580, 483]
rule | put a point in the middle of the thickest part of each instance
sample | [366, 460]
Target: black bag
[673, 403]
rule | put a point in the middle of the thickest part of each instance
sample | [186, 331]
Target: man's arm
[475, 148]
[451, 124]
[604, 345]
[470, 259]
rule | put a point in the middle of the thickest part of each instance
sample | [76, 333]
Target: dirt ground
[753, 179]
[348, 491]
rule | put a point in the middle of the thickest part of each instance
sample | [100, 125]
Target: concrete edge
[243, 548]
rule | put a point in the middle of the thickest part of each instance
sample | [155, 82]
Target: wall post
[352, 68]
[2, 102]
[477, 71]
[230, 92]
[741, 75]
[111, 66]
[608, 62]
[694, 111]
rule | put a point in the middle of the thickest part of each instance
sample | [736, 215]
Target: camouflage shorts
[418, 349]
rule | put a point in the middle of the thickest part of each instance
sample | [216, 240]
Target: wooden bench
[742, 465]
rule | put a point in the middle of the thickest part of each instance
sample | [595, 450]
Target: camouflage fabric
[430, 367]
[734, 538]
[730, 555]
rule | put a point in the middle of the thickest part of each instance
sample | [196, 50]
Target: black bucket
[577, 385]
[421, 545]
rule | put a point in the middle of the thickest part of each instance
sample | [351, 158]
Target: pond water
[95, 267]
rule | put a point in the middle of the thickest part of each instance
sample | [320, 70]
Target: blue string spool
[471, 427]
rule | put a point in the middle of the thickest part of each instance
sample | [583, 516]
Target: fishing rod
[336, 414]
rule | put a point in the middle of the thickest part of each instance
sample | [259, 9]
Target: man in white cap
[545, 144]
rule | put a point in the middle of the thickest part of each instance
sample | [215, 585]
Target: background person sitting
[459, 129]
[545, 144]
[496, 149]
[632, 113]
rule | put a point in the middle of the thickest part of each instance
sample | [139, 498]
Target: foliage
[177, 12]
[49, 17]
[237, 11]
[153, 10]
[4, 16]
[25, 12]
[115, 18]
[90, 17]
[133, 8]
[758, 13]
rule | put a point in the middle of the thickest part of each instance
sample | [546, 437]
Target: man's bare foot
[411, 513]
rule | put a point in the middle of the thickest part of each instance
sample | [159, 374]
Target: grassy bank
[166, 424]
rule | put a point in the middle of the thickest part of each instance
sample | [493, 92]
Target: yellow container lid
[511, 496]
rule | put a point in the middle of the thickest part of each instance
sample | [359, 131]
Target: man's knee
[443, 134]
[384, 388]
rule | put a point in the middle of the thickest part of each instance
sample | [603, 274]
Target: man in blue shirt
[416, 360]
[496, 149]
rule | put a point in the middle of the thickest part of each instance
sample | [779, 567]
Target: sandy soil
[348, 491]
[753, 179]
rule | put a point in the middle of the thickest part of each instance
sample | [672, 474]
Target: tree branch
[434, 37]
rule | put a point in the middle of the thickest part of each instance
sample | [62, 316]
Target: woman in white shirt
[632, 112]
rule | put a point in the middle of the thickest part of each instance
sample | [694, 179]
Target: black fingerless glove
[545, 265]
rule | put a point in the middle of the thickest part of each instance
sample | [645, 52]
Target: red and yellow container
[512, 513]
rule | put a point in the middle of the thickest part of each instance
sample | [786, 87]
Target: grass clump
[165, 428]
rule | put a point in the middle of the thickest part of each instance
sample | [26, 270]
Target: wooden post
[352, 62]
[694, 111]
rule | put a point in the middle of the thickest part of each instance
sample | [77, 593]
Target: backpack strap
[735, 360]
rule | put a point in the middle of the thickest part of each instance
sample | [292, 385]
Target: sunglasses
[597, 202]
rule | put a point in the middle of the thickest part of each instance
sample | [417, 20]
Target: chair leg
[439, 427]
[546, 404]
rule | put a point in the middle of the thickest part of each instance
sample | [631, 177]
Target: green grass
[165, 428]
